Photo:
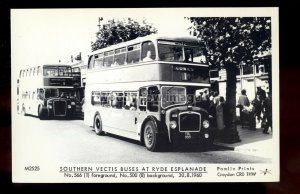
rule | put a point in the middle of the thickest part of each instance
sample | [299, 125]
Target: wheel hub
[149, 136]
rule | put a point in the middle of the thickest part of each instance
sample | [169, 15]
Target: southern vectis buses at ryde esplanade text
[46, 91]
[145, 89]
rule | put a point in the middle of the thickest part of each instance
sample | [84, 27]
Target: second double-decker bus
[47, 91]
[145, 89]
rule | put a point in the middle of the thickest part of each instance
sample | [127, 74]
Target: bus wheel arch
[97, 124]
[149, 134]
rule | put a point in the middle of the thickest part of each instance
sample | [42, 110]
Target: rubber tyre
[151, 138]
[98, 125]
[41, 113]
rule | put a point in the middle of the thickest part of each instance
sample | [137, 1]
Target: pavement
[253, 142]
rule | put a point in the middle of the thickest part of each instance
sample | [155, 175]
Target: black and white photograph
[145, 95]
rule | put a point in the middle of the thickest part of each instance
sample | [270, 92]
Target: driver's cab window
[41, 94]
[153, 99]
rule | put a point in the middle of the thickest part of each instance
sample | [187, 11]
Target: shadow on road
[187, 147]
[56, 118]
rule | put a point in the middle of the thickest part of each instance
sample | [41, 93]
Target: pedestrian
[261, 93]
[220, 114]
[205, 99]
[216, 98]
[251, 116]
[212, 111]
[243, 102]
[257, 103]
[267, 108]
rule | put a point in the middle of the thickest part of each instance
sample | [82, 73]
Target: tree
[116, 31]
[229, 43]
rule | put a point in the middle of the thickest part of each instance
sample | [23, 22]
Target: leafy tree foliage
[229, 42]
[116, 31]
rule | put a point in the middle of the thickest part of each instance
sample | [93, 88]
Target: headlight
[205, 124]
[69, 106]
[73, 103]
[50, 106]
[174, 115]
[173, 124]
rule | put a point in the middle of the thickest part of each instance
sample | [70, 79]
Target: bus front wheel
[98, 125]
[41, 113]
[150, 136]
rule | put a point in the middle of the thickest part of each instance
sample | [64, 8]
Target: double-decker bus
[145, 89]
[46, 91]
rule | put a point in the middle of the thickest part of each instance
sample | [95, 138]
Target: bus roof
[55, 65]
[152, 37]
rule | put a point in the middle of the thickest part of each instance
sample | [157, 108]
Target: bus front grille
[59, 108]
[189, 122]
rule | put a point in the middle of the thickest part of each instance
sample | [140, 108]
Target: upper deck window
[133, 54]
[108, 58]
[120, 55]
[50, 71]
[180, 51]
[170, 51]
[98, 61]
[148, 51]
[57, 71]
[39, 70]
[65, 71]
[193, 54]
[91, 62]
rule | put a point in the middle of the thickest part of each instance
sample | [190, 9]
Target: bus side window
[130, 101]
[143, 99]
[105, 98]
[96, 100]
[117, 100]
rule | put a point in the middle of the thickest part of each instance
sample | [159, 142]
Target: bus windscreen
[181, 52]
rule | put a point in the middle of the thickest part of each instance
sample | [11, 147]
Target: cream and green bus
[46, 91]
[145, 89]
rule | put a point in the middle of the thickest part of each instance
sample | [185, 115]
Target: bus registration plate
[187, 135]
